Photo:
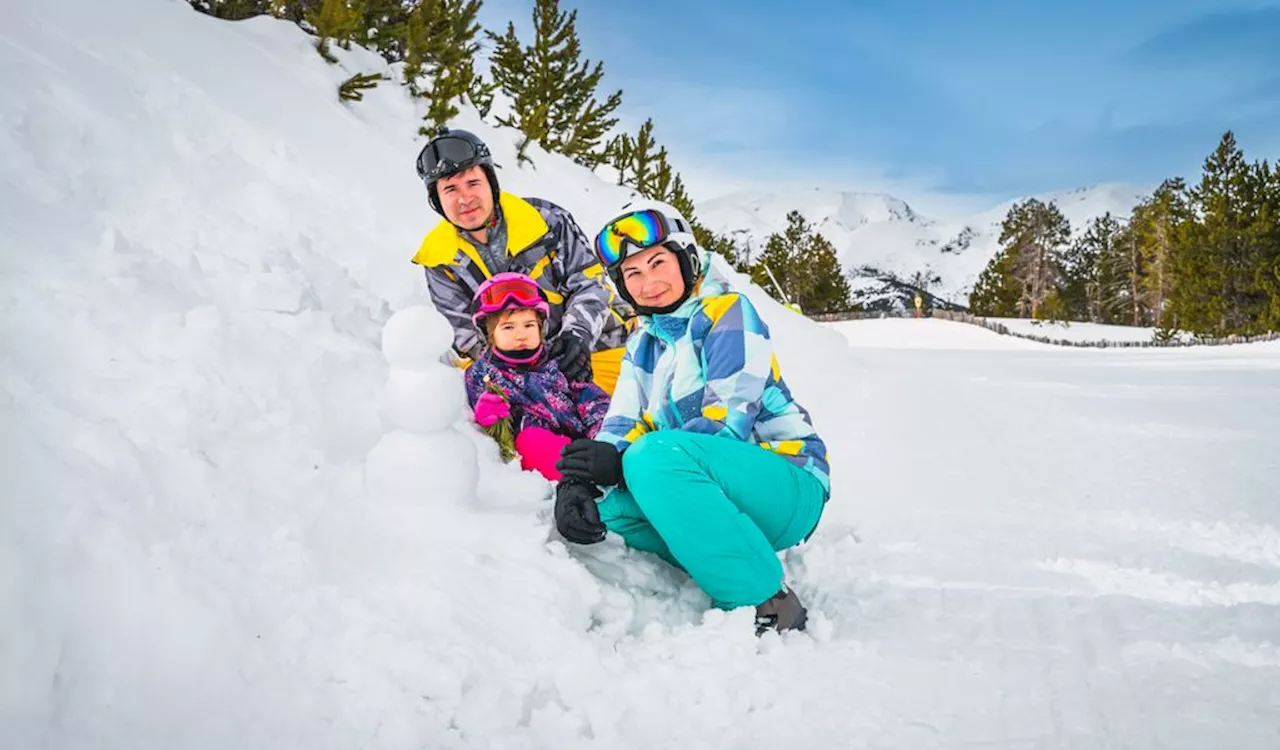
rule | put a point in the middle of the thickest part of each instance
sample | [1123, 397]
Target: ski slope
[230, 521]
[1078, 332]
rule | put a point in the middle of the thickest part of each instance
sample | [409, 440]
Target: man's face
[466, 198]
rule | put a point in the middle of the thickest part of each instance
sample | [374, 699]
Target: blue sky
[943, 103]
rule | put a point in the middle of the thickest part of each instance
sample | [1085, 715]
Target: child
[547, 411]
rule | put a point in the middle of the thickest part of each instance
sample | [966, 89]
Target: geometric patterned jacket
[709, 367]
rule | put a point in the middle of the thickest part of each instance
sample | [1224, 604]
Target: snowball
[427, 401]
[415, 337]
[406, 467]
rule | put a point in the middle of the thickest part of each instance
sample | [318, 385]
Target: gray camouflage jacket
[542, 241]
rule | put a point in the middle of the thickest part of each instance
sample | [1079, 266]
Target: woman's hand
[591, 461]
[577, 517]
[491, 407]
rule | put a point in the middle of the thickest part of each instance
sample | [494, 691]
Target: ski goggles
[448, 154]
[498, 295]
[640, 230]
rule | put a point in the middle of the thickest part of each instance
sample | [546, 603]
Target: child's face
[518, 330]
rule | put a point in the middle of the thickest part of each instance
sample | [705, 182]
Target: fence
[964, 317]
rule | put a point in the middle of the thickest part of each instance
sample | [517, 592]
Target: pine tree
[386, 26]
[1119, 278]
[553, 91]
[585, 134]
[668, 186]
[679, 197]
[416, 42]
[508, 66]
[805, 267]
[996, 292]
[1267, 235]
[481, 94]
[634, 157]
[618, 153]
[232, 10]
[353, 88]
[451, 67]
[645, 157]
[721, 244]
[1085, 289]
[440, 47]
[664, 177]
[338, 20]
[294, 10]
[1154, 225]
[775, 269]
[1129, 260]
[1262, 243]
[1034, 234]
[1212, 267]
[648, 171]
[826, 289]
[644, 165]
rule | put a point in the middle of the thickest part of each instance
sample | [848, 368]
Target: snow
[422, 395]
[1076, 331]
[244, 507]
[927, 333]
[414, 338]
[424, 399]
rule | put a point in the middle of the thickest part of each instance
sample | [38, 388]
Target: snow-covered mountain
[880, 239]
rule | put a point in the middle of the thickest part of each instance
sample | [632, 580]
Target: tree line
[1202, 258]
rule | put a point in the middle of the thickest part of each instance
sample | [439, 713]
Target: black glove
[577, 517]
[591, 461]
[573, 355]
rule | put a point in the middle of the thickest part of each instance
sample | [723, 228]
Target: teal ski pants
[717, 507]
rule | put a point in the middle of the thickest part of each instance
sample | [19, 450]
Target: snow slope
[1076, 331]
[224, 526]
[927, 333]
[882, 232]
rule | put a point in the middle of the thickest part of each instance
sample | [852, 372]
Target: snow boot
[782, 611]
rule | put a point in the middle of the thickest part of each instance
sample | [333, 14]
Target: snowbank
[1076, 332]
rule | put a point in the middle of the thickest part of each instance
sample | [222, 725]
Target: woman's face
[653, 277]
[518, 330]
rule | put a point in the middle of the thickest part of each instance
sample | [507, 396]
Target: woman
[714, 467]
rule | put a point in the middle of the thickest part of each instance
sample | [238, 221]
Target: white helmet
[649, 223]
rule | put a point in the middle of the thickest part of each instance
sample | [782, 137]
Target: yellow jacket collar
[525, 226]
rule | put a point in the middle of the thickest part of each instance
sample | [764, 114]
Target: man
[486, 231]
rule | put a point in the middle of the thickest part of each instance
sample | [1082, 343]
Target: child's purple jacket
[541, 396]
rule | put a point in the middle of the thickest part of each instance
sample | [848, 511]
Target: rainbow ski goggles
[640, 230]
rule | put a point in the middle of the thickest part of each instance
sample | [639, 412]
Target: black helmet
[450, 152]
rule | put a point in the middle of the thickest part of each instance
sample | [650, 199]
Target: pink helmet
[506, 291]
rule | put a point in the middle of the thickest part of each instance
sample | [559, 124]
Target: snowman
[424, 459]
